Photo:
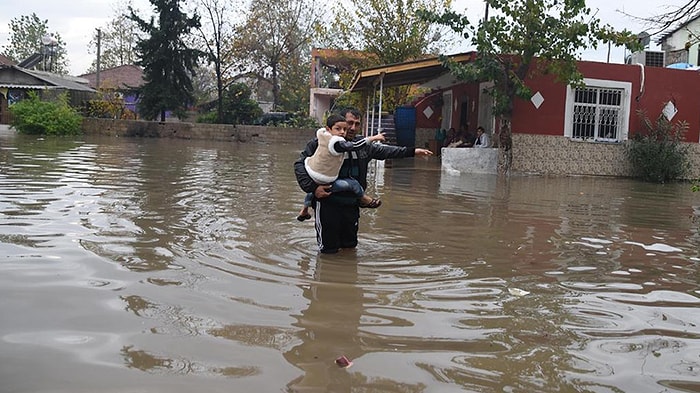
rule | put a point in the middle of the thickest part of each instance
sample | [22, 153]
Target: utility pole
[97, 76]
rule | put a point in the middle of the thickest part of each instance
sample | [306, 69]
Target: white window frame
[625, 105]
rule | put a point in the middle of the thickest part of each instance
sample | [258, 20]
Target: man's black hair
[355, 112]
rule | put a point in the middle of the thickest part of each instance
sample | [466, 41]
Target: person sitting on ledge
[452, 138]
[482, 139]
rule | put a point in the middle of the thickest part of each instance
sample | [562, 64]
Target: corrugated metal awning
[28, 87]
[408, 73]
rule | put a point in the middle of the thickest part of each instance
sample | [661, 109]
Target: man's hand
[423, 152]
[379, 137]
[322, 191]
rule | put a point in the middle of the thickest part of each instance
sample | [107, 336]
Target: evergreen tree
[168, 64]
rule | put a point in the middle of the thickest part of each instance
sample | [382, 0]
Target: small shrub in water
[659, 154]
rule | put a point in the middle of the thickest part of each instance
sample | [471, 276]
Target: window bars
[597, 113]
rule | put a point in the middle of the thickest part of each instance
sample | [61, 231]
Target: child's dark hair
[332, 119]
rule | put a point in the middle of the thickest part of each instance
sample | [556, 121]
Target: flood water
[146, 265]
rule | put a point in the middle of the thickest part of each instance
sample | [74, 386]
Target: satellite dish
[644, 38]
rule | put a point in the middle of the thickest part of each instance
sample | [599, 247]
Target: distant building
[327, 65]
[260, 89]
[561, 129]
[6, 61]
[125, 80]
[16, 82]
[682, 44]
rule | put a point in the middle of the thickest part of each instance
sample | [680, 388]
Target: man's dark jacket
[355, 167]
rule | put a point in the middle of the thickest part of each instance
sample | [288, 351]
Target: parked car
[273, 118]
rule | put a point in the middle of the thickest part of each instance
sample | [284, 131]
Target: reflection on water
[159, 265]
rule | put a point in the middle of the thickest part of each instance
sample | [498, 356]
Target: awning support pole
[374, 106]
[367, 118]
[381, 95]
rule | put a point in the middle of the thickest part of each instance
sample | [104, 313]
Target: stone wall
[558, 155]
[468, 160]
[213, 132]
[536, 154]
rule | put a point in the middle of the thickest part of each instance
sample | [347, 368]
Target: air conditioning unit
[649, 58]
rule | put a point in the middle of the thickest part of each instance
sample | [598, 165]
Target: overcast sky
[77, 20]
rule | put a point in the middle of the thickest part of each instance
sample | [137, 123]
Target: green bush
[300, 121]
[34, 116]
[209, 117]
[238, 107]
[659, 154]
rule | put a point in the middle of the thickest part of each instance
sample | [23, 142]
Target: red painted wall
[661, 85]
[461, 93]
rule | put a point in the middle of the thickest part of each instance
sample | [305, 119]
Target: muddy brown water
[145, 265]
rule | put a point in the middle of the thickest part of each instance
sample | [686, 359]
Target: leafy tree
[273, 33]
[216, 36]
[167, 61]
[390, 31]
[204, 85]
[239, 108]
[26, 34]
[295, 80]
[109, 105]
[118, 40]
[523, 39]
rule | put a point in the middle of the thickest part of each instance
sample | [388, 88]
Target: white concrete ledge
[469, 160]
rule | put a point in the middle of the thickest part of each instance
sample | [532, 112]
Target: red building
[603, 112]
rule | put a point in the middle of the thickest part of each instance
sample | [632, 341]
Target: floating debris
[518, 292]
[343, 362]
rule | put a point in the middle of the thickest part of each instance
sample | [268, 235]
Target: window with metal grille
[596, 113]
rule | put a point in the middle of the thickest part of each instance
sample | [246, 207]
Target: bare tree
[117, 39]
[673, 17]
[273, 32]
[216, 36]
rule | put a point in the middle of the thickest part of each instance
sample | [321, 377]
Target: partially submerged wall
[536, 154]
[204, 131]
[470, 160]
[558, 155]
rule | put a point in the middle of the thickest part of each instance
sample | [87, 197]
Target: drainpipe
[641, 81]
